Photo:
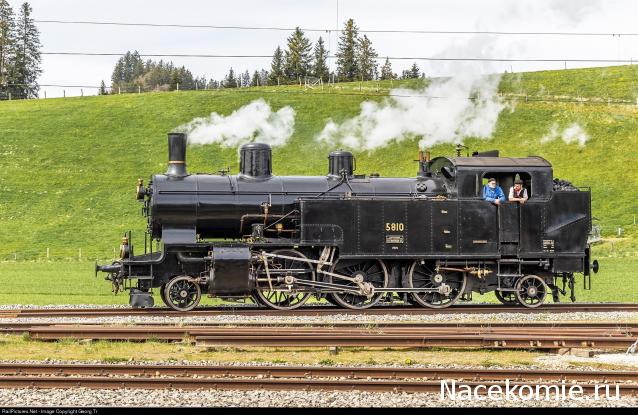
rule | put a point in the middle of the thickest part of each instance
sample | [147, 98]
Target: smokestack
[176, 155]
[340, 161]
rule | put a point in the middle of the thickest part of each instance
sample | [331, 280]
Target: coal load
[560, 184]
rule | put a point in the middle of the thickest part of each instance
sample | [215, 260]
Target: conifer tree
[347, 67]
[102, 90]
[255, 80]
[7, 45]
[263, 77]
[245, 79]
[366, 59]
[276, 75]
[320, 67]
[298, 56]
[230, 81]
[386, 70]
[415, 72]
[175, 80]
[26, 65]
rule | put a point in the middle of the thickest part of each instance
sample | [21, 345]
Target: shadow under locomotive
[355, 240]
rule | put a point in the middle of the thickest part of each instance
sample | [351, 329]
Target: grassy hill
[69, 166]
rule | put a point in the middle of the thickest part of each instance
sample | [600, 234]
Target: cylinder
[255, 161]
[340, 162]
[176, 155]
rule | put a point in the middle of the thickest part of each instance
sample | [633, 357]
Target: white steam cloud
[572, 134]
[253, 122]
[446, 111]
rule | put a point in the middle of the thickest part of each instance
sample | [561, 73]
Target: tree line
[356, 60]
[19, 53]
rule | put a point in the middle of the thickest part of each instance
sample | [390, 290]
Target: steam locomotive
[355, 240]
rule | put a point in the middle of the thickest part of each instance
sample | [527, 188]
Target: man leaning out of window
[493, 193]
[518, 193]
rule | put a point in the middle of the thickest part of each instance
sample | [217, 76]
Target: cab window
[506, 181]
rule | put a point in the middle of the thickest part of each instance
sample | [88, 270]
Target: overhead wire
[415, 58]
[288, 29]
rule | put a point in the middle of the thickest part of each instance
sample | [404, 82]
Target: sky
[608, 16]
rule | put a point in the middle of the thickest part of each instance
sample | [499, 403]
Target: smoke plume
[572, 134]
[446, 111]
[253, 122]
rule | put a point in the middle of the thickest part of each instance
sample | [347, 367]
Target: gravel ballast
[262, 398]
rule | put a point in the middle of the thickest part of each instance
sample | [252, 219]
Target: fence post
[64, 93]
[48, 256]
[80, 254]
[45, 94]
[9, 96]
[81, 92]
[15, 256]
[139, 89]
[178, 86]
[119, 90]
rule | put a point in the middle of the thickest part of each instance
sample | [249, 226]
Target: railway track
[467, 335]
[24, 326]
[317, 310]
[294, 377]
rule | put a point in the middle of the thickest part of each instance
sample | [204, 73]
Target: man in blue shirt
[493, 193]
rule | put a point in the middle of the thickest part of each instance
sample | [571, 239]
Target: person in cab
[518, 193]
[493, 192]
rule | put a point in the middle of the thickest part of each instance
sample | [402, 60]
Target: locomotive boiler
[355, 240]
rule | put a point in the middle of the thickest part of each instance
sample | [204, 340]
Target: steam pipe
[192, 260]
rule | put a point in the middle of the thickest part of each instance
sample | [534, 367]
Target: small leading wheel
[506, 297]
[450, 285]
[371, 271]
[182, 293]
[531, 291]
[280, 294]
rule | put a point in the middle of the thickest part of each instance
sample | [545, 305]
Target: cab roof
[532, 161]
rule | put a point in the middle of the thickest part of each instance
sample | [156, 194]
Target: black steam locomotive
[355, 240]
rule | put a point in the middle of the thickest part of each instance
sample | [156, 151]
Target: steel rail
[142, 332]
[476, 337]
[105, 369]
[172, 331]
[11, 369]
[484, 341]
[320, 310]
[585, 325]
[397, 386]
[295, 377]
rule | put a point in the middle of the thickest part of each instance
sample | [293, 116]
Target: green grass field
[70, 167]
